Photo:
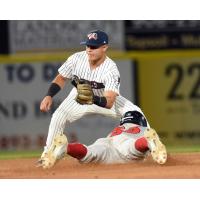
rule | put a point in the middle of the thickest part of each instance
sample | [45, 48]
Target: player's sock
[76, 150]
[141, 145]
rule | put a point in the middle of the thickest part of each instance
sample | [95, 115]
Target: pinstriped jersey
[105, 77]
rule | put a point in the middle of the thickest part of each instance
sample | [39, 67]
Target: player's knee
[141, 145]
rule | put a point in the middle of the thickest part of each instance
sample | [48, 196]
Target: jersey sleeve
[66, 69]
[112, 81]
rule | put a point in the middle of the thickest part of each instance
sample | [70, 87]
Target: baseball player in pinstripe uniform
[98, 93]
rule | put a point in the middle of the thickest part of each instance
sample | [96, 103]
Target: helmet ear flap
[133, 117]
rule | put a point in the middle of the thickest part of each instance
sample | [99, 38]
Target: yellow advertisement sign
[169, 94]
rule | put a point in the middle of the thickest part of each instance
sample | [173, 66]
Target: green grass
[19, 154]
[183, 149]
[36, 154]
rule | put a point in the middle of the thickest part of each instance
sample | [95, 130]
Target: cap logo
[92, 36]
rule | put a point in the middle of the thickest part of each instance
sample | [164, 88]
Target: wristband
[53, 89]
[100, 101]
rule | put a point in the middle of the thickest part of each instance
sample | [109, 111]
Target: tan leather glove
[85, 94]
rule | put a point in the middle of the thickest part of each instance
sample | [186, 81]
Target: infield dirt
[181, 166]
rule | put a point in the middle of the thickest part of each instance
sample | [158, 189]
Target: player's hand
[46, 103]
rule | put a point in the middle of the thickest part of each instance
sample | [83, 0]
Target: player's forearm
[110, 98]
[56, 85]
[110, 101]
[60, 80]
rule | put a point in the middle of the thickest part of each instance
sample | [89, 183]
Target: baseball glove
[85, 94]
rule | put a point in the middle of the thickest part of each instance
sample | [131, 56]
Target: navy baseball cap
[96, 38]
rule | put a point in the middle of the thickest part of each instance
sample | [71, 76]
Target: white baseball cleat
[157, 148]
[56, 152]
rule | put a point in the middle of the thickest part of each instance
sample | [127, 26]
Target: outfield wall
[168, 91]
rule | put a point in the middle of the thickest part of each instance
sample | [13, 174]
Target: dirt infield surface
[182, 165]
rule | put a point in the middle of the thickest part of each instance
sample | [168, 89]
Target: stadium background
[159, 65]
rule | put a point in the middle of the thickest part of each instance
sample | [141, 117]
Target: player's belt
[94, 84]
